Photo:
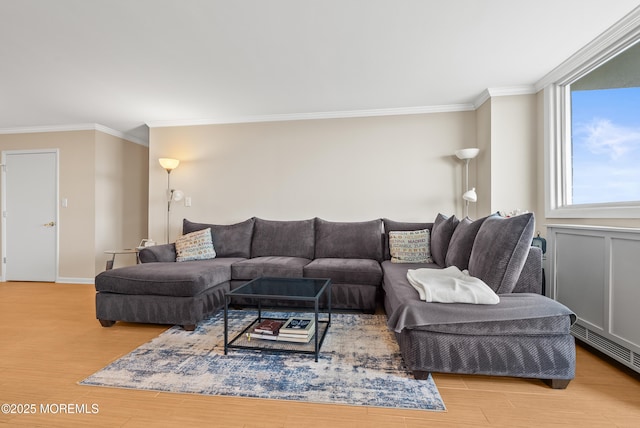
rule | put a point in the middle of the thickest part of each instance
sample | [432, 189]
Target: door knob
[50, 224]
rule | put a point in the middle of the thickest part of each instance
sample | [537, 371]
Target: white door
[30, 215]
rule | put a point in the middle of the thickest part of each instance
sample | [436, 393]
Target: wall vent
[609, 346]
[636, 360]
[579, 331]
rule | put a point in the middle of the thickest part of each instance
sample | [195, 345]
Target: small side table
[114, 253]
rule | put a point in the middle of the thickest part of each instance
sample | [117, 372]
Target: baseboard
[71, 280]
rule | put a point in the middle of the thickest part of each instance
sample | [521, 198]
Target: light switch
[187, 201]
[65, 202]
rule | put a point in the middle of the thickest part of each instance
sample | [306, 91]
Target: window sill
[593, 211]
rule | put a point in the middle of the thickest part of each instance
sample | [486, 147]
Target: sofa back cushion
[441, 234]
[349, 240]
[500, 251]
[283, 238]
[233, 240]
[461, 243]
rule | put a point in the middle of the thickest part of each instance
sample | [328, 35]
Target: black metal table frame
[259, 297]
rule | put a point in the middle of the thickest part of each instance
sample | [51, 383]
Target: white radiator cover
[595, 271]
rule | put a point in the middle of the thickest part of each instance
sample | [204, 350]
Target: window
[592, 132]
[605, 133]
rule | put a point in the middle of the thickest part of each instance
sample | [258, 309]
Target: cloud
[601, 136]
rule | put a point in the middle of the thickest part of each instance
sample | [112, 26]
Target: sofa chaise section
[524, 335]
[162, 292]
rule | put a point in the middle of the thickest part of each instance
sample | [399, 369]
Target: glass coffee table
[282, 290]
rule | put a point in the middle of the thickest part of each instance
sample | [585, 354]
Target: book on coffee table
[271, 327]
[303, 334]
[308, 335]
[297, 338]
[299, 326]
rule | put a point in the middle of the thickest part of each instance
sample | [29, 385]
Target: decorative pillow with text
[195, 246]
[410, 246]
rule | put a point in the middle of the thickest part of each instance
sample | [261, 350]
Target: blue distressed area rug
[359, 365]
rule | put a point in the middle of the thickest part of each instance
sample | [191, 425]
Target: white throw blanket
[451, 285]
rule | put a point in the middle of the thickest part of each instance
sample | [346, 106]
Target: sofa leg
[189, 327]
[557, 383]
[420, 375]
[106, 323]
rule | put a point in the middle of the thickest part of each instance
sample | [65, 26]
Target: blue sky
[606, 145]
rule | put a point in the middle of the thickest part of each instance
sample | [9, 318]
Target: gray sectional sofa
[524, 335]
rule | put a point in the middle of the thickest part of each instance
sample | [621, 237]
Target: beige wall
[513, 153]
[121, 197]
[483, 162]
[507, 135]
[355, 169]
[95, 219]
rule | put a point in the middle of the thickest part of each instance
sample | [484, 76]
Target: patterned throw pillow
[410, 246]
[195, 246]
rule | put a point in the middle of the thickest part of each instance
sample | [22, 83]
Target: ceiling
[127, 63]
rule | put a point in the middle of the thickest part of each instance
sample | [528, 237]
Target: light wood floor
[50, 340]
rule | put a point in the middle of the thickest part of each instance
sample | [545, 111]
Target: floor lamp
[469, 195]
[172, 194]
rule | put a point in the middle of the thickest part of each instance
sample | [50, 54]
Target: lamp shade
[470, 195]
[169, 164]
[467, 153]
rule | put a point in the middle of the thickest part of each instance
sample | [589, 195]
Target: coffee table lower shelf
[241, 341]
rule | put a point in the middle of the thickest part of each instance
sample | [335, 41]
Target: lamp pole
[169, 165]
[168, 195]
[466, 185]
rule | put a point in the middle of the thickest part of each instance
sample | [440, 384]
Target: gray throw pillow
[461, 243]
[441, 233]
[500, 251]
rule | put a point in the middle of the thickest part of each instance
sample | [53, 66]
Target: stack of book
[295, 329]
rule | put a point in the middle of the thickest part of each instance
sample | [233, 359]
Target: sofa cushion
[441, 233]
[500, 250]
[461, 243]
[158, 253]
[391, 225]
[195, 246]
[164, 278]
[544, 326]
[233, 240]
[349, 240]
[410, 246]
[345, 271]
[278, 266]
[283, 238]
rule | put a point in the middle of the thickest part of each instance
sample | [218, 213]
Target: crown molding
[122, 135]
[314, 116]
[618, 37]
[73, 127]
[504, 91]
